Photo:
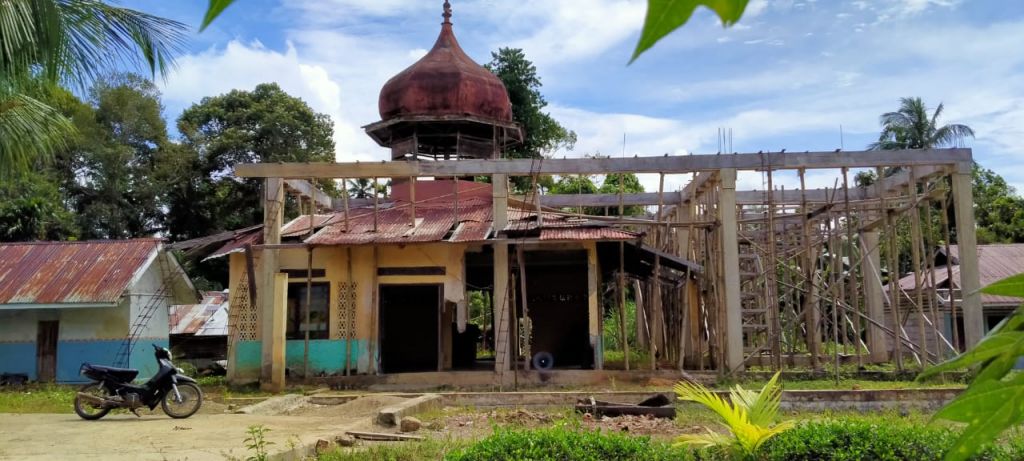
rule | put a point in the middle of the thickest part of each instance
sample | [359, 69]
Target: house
[104, 302]
[198, 332]
[995, 262]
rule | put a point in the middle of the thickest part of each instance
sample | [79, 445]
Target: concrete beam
[966, 239]
[665, 164]
[308, 190]
[731, 272]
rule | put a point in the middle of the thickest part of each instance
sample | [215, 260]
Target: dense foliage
[874, 439]
[994, 401]
[561, 443]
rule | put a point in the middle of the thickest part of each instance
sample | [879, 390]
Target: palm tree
[912, 128]
[44, 43]
[361, 188]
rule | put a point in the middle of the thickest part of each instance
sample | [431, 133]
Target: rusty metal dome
[445, 82]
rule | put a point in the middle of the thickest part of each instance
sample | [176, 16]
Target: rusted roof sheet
[585, 233]
[238, 244]
[300, 226]
[434, 220]
[93, 272]
[995, 262]
[437, 218]
[208, 318]
[471, 232]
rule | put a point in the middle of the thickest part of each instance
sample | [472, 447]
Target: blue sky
[787, 76]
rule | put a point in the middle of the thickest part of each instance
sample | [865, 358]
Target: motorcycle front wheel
[90, 411]
[191, 398]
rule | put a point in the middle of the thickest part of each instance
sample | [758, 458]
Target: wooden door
[46, 350]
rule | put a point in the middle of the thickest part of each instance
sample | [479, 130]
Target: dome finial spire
[447, 12]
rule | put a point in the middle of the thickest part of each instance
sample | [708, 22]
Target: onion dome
[445, 82]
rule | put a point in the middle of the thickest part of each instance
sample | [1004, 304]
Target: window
[319, 317]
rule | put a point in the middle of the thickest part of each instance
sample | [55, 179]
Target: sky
[792, 74]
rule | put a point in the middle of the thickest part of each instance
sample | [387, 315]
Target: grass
[59, 398]
[396, 451]
[37, 398]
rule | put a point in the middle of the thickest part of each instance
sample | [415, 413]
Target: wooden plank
[665, 164]
[382, 437]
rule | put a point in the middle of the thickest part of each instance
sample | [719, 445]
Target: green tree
[31, 208]
[911, 127]
[52, 42]
[263, 125]
[577, 185]
[998, 209]
[543, 134]
[630, 185]
[113, 182]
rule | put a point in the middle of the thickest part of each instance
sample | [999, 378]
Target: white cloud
[243, 66]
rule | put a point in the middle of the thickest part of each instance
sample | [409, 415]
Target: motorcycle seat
[122, 374]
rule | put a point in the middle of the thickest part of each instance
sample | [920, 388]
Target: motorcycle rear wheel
[191, 400]
[89, 411]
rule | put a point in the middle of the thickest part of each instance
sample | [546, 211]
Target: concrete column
[273, 327]
[731, 270]
[593, 304]
[870, 267]
[967, 244]
[500, 301]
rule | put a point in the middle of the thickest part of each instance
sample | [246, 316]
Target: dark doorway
[46, 350]
[556, 287]
[409, 327]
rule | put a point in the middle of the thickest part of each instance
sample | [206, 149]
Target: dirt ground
[154, 436]
[463, 423]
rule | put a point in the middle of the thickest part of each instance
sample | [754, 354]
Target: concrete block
[390, 416]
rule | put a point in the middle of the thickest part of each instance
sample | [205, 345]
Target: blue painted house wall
[94, 334]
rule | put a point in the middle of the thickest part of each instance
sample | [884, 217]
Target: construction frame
[789, 278]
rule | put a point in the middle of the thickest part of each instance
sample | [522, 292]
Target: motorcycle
[177, 394]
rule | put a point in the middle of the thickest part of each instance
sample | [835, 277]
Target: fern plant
[748, 415]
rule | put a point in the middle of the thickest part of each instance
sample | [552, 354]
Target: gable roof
[90, 272]
[995, 262]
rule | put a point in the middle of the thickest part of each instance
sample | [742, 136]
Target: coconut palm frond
[912, 127]
[97, 37]
[29, 130]
[762, 407]
[747, 414]
[74, 41]
[952, 135]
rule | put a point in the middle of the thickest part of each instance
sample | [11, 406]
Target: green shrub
[868, 439]
[566, 444]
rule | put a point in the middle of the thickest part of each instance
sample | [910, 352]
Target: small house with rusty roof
[104, 302]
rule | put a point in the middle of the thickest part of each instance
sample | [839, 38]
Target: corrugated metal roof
[437, 218]
[995, 262]
[300, 226]
[238, 243]
[71, 272]
[585, 233]
[434, 220]
[208, 318]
